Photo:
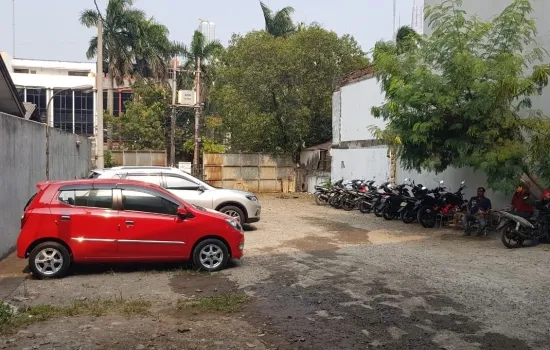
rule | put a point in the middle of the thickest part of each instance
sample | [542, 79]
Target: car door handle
[65, 218]
[129, 223]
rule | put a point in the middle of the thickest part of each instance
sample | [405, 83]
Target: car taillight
[24, 219]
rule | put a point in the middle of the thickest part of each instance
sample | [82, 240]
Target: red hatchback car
[121, 221]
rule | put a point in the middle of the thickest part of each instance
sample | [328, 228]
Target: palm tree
[405, 39]
[153, 50]
[120, 24]
[206, 52]
[279, 24]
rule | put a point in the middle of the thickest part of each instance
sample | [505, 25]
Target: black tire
[217, 261]
[378, 210]
[387, 212]
[49, 269]
[365, 207]
[347, 203]
[408, 216]
[509, 240]
[319, 200]
[234, 212]
[334, 201]
[426, 217]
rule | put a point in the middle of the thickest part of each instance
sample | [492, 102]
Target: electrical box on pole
[186, 98]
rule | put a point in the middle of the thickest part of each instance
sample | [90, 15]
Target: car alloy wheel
[210, 255]
[49, 259]
[234, 212]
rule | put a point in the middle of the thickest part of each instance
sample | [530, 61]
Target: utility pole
[197, 116]
[173, 118]
[99, 104]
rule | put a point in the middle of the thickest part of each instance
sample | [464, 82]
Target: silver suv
[238, 204]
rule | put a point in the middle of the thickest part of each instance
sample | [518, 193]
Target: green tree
[275, 94]
[146, 122]
[279, 24]
[208, 53]
[457, 97]
[129, 38]
[119, 25]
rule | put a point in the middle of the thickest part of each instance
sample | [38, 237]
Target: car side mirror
[201, 189]
[182, 213]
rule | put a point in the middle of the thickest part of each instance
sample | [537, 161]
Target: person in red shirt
[521, 202]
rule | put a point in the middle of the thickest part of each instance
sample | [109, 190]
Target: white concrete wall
[453, 177]
[359, 163]
[336, 117]
[357, 100]
[23, 160]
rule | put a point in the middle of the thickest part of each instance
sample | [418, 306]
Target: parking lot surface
[313, 278]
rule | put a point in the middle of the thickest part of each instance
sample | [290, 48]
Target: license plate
[403, 204]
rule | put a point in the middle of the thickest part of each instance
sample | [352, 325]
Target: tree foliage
[146, 122]
[275, 94]
[279, 24]
[457, 97]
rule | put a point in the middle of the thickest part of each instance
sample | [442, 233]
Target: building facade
[208, 29]
[67, 89]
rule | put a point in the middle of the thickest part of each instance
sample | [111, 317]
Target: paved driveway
[318, 278]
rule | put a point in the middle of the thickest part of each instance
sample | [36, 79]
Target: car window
[88, 198]
[179, 183]
[148, 203]
[152, 179]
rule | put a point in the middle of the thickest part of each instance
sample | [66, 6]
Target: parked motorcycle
[410, 205]
[351, 198]
[392, 204]
[321, 195]
[515, 230]
[379, 198]
[445, 204]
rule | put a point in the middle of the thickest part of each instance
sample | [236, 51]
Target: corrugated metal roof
[322, 146]
[9, 98]
[356, 76]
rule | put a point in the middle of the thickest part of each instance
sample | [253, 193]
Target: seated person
[521, 202]
[477, 210]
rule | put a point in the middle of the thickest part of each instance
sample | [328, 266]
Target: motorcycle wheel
[365, 207]
[509, 238]
[388, 213]
[408, 216]
[426, 217]
[320, 199]
[347, 203]
[378, 210]
[334, 201]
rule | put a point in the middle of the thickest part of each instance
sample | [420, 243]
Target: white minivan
[241, 205]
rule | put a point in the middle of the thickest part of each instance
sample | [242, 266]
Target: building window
[63, 110]
[324, 161]
[38, 97]
[84, 113]
[119, 99]
[21, 70]
[21, 94]
[78, 73]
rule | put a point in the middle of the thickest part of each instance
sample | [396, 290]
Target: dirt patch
[201, 284]
[212, 331]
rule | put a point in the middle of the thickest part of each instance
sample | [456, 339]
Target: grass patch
[11, 321]
[230, 302]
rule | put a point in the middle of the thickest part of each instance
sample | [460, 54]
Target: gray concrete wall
[23, 165]
[489, 9]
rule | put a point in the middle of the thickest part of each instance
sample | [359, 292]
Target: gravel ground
[319, 279]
